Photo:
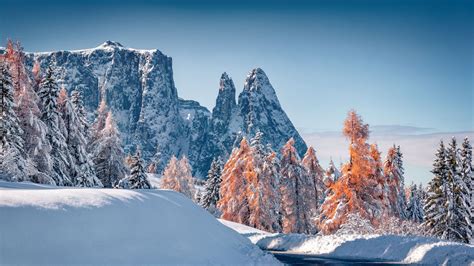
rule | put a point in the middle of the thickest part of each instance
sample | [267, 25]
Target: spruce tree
[138, 178]
[467, 175]
[314, 170]
[295, 217]
[108, 155]
[261, 187]
[211, 191]
[393, 171]
[49, 93]
[81, 165]
[78, 106]
[434, 208]
[414, 209]
[402, 201]
[457, 220]
[12, 162]
[36, 146]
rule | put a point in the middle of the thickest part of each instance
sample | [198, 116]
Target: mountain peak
[226, 83]
[258, 82]
[111, 44]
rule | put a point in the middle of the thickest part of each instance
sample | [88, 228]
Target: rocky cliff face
[258, 109]
[138, 87]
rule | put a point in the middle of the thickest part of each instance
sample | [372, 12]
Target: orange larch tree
[354, 190]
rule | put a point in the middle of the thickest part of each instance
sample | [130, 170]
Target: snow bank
[404, 249]
[51, 225]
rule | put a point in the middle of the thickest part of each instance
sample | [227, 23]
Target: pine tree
[81, 165]
[12, 162]
[434, 208]
[233, 203]
[467, 175]
[457, 220]
[138, 178]
[211, 191]
[108, 156]
[314, 170]
[414, 209]
[49, 93]
[295, 217]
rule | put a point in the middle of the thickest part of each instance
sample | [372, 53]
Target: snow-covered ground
[52, 225]
[404, 249]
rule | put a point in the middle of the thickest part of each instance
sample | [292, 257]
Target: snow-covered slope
[51, 225]
[404, 249]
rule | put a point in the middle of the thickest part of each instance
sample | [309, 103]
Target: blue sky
[407, 63]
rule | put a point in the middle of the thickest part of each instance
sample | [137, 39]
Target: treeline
[292, 195]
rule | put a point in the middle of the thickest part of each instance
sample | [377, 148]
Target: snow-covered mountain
[138, 87]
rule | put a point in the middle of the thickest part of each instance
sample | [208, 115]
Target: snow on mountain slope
[139, 89]
[404, 249]
[54, 225]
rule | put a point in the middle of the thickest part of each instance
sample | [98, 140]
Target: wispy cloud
[418, 146]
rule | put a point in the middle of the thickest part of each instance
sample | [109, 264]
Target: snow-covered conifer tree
[458, 219]
[108, 155]
[78, 106]
[314, 170]
[261, 188]
[381, 189]
[36, 146]
[332, 172]
[414, 209]
[81, 165]
[295, 217]
[138, 178]
[233, 203]
[354, 191]
[435, 204]
[211, 191]
[467, 174]
[402, 201]
[393, 170]
[61, 158]
[12, 161]
[271, 172]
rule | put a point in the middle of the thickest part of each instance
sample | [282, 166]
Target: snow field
[53, 225]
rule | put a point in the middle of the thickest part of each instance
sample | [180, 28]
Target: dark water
[304, 259]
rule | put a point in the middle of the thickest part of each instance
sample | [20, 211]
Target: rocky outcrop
[138, 87]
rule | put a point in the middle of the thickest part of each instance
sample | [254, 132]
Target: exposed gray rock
[138, 87]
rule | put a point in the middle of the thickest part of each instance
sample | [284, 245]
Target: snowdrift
[403, 249]
[51, 225]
